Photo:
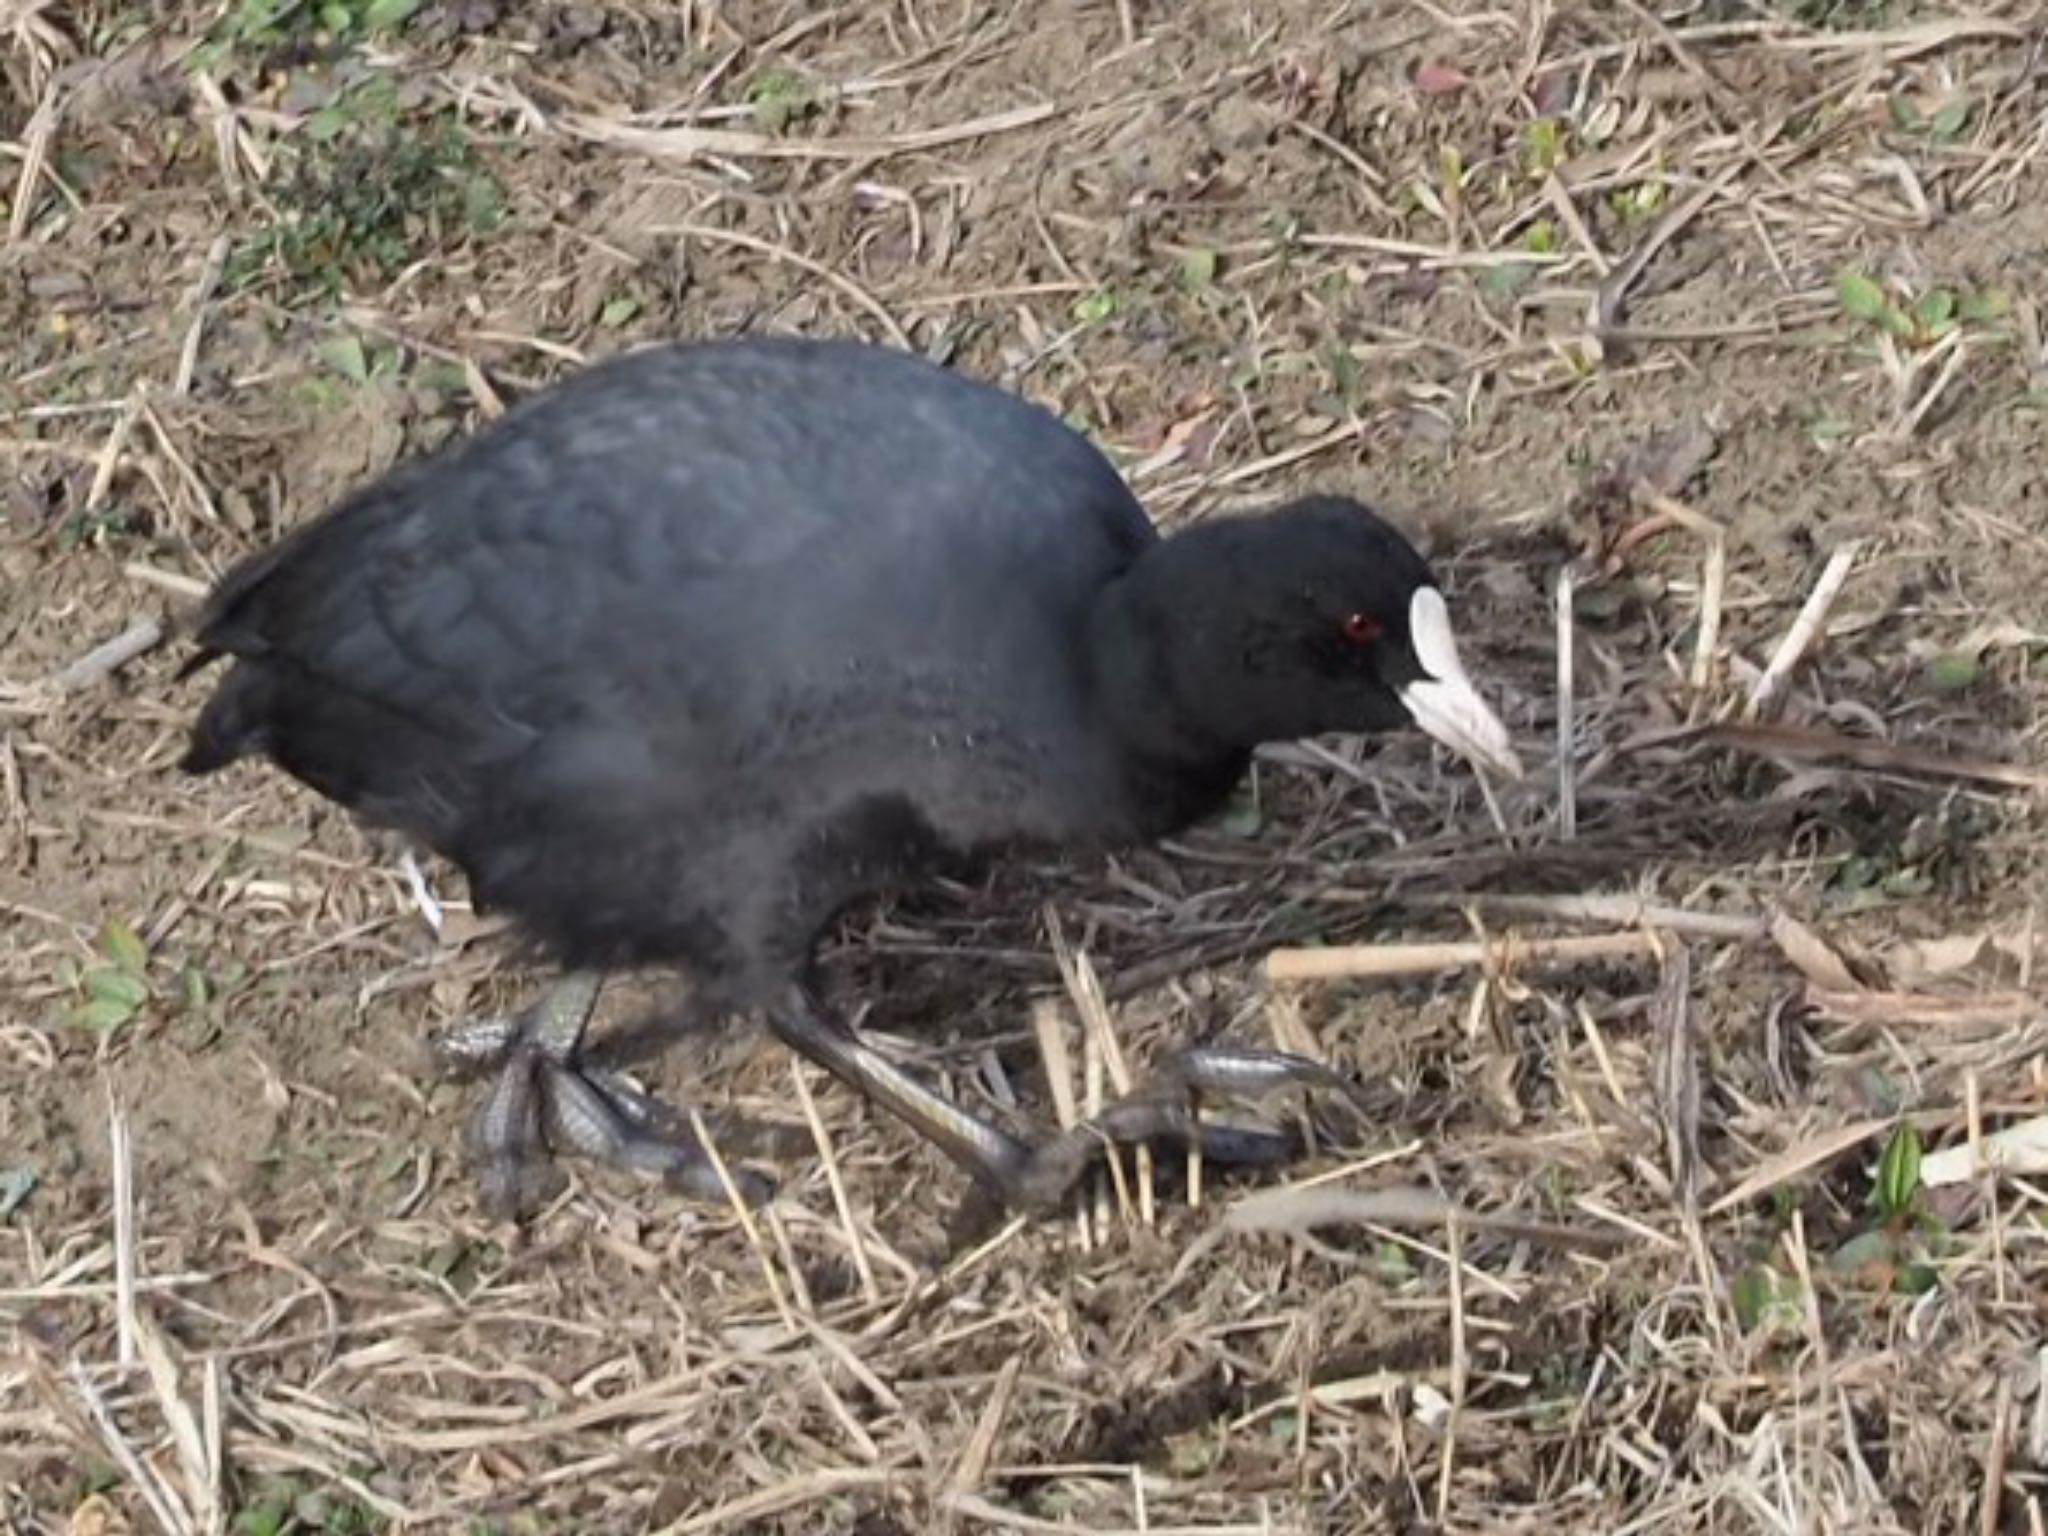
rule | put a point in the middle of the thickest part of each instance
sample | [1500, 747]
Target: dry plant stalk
[1353, 962]
[1804, 633]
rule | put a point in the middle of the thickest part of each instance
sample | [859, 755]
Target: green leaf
[326, 124]
[1751, 1296]
[1543, 146]
[1863, 1251]
[1095, 307]
[1540, 238]
[1507, 278]
[1953, 672]
[1915, 1279]
[120, 944]
[1906, 884]
[1898, 1171]
[387, 15]
[779, 97]
[1950, 120]
[1898, 323]
[335, 17]
[1393, 1263]
[1861, 296]
[344, 354]
[1197, 269]
[111, 986]
[619, 311]
[483, 204]
[1936, 308]
[103, 1015]
[1985, 306]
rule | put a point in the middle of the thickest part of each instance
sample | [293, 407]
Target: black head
[1316, 617]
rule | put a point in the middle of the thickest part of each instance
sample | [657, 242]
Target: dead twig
[1806, 744]
[108, 657]
[1361, 961]
[1805, 631]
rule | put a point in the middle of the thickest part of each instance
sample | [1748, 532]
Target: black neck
[1182, 767]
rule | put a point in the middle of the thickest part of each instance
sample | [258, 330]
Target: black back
[685, 652]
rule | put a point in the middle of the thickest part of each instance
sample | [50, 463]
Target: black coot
[685, 654]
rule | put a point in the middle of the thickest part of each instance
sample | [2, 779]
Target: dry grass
[1563, 285]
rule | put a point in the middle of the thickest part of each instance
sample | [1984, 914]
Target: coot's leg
[1037, 1179]
[542, 1099]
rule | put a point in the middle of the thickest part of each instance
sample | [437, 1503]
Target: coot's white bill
[1444, 703]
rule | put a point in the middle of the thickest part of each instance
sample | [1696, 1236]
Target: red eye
[1361, 629]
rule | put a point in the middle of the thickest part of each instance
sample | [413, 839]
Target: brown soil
[1222, 239]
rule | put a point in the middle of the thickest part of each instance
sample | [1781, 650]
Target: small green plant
[780, 98]
[1936, 850]
[463, 1266]
[1544, 143]
[1767, 1302]
[1945, 124]
[258, 30]
[1825, 427]
[1895, 1252]
[1919, 321]
[281, 1507]
[97, 527]
[362, 186]
[1641, 202]
[200, 996]
[114, 987]
[1097, 308]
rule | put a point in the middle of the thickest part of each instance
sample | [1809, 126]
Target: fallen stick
[1296, 1210]
[1356, 961]
[1609, 907]
[1807, 745]
[109, 657]
[1805, 631]
[1891, 1010]
[1567, 738]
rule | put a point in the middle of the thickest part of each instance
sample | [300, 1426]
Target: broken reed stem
[1612, 908]
[1359, 961]
[828, 1156]
[1707, 640]
[1454, 1248]
[201, 303]
[1567, 787]
[120, 1155]
[108, 657]
[1805, 630]
[748, 1225]
[148, 1485]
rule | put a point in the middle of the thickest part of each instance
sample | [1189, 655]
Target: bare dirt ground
[1727, 311]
